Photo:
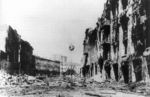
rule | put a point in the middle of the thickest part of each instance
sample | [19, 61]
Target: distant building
[65, 65]
[63, 62]
[48, 67]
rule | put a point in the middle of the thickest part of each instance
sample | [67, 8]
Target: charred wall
[89, 52]
[12, 49]
[3, 55]
[19, 54]
[26, 58]
[3, 61]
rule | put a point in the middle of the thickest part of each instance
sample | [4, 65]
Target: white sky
[52, 25]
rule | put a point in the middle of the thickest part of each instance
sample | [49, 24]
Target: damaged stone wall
[12, 50]
[122, 37]
[3, 61]
[3, 55]
[26, 58]
[90, 53]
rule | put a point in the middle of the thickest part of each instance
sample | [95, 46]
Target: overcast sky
[52, 25]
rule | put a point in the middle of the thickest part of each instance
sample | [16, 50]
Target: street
[69, 87]
[74, 48]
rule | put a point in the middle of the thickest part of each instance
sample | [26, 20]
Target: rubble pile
[140, 88]
[8, 80]
[26, 85]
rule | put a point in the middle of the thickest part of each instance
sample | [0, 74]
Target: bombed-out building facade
[18, 57]
[19, 53]
[118, 48]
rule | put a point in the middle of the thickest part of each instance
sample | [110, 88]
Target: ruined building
[118, 47]
[18, 55]
[27, 60]
[12, 49]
